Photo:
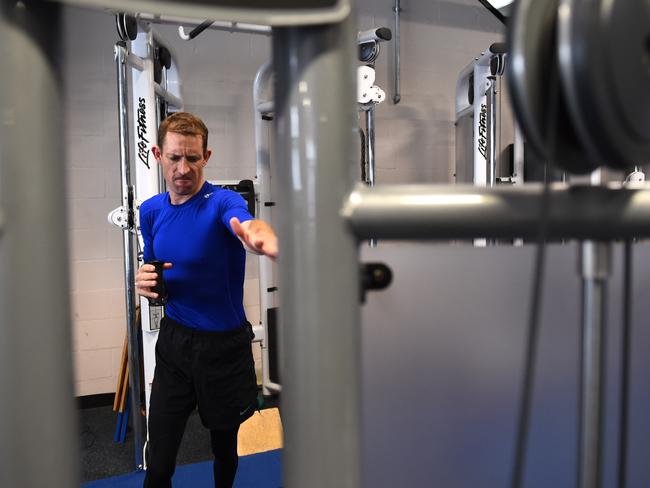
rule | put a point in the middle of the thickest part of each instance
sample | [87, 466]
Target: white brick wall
[415, 139]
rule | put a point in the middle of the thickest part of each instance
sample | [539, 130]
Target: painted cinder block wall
[415, 139]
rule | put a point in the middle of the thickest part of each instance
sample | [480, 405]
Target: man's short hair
[183, 123]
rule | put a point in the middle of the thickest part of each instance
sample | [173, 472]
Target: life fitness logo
[143, 142]
[482, 132]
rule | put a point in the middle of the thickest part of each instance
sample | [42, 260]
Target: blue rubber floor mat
[263, 470]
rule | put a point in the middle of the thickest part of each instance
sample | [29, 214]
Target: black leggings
[224, 448]
[161, 457]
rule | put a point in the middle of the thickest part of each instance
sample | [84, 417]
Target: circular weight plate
[604, 54]
[532, 74]
[529, 41]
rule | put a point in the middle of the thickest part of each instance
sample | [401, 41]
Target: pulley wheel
[127, 26]
[605, 69]
[532, 76]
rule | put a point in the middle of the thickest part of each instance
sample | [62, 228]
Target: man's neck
[176, 199]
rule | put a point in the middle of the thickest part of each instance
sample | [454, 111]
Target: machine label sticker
[143, 143]
[482, 131]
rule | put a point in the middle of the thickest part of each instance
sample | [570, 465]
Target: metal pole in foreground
[594, 269]
[38, 424]
[319, 280]
[468, 212]
[133, 332]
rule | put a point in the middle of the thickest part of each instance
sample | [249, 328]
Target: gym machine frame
[144, 95]
[321, 225]
[477, 107]
[138, 89]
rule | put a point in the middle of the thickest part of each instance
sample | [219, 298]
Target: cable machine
[480, 132]
[369, 95]
[148, 87]
[152, 80]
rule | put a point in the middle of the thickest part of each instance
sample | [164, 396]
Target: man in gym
[203, 353]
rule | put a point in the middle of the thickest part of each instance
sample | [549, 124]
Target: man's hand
[145, 278]
[257, 236]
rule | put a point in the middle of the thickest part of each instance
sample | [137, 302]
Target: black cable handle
[200, 28]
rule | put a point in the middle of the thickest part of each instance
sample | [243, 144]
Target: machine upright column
[319, 278]
[38, 425]
[595, 258]
[130, 262]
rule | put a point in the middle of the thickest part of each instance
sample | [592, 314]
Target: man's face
[182, 160]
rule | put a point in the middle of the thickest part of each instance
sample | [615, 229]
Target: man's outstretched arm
[257, 236]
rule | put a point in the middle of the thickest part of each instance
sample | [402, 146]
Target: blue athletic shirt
[206, 283]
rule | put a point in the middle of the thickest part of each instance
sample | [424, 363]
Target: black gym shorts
[212, 370]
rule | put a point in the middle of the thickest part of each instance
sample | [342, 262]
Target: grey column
[319, 311]
[38, 425]
[594, 268]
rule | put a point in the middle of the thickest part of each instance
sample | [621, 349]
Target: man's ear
[206, 156]
[157, 153]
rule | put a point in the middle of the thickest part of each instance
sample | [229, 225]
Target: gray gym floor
[103, 458]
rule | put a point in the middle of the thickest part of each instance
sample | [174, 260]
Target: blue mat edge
[270, 458]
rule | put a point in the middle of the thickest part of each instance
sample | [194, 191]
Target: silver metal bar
[38, 421]
[370, 146]
[229, 27]
[136, 61]
[161, 41]
[518, 174]
[168, 96]
[466, 212]
[133, 331]
[161, 114]
[217, 25]
[258, 15]
[595, 261]
[261, 89]
[396, 56]
[159, 117]
[490, 99]
[315, 125]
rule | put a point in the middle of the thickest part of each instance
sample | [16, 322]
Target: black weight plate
[532, 74]
[605, 69]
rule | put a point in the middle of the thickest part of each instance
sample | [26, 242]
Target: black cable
[200, 28]
[626, 342]
[363, 155]
[536, 290]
